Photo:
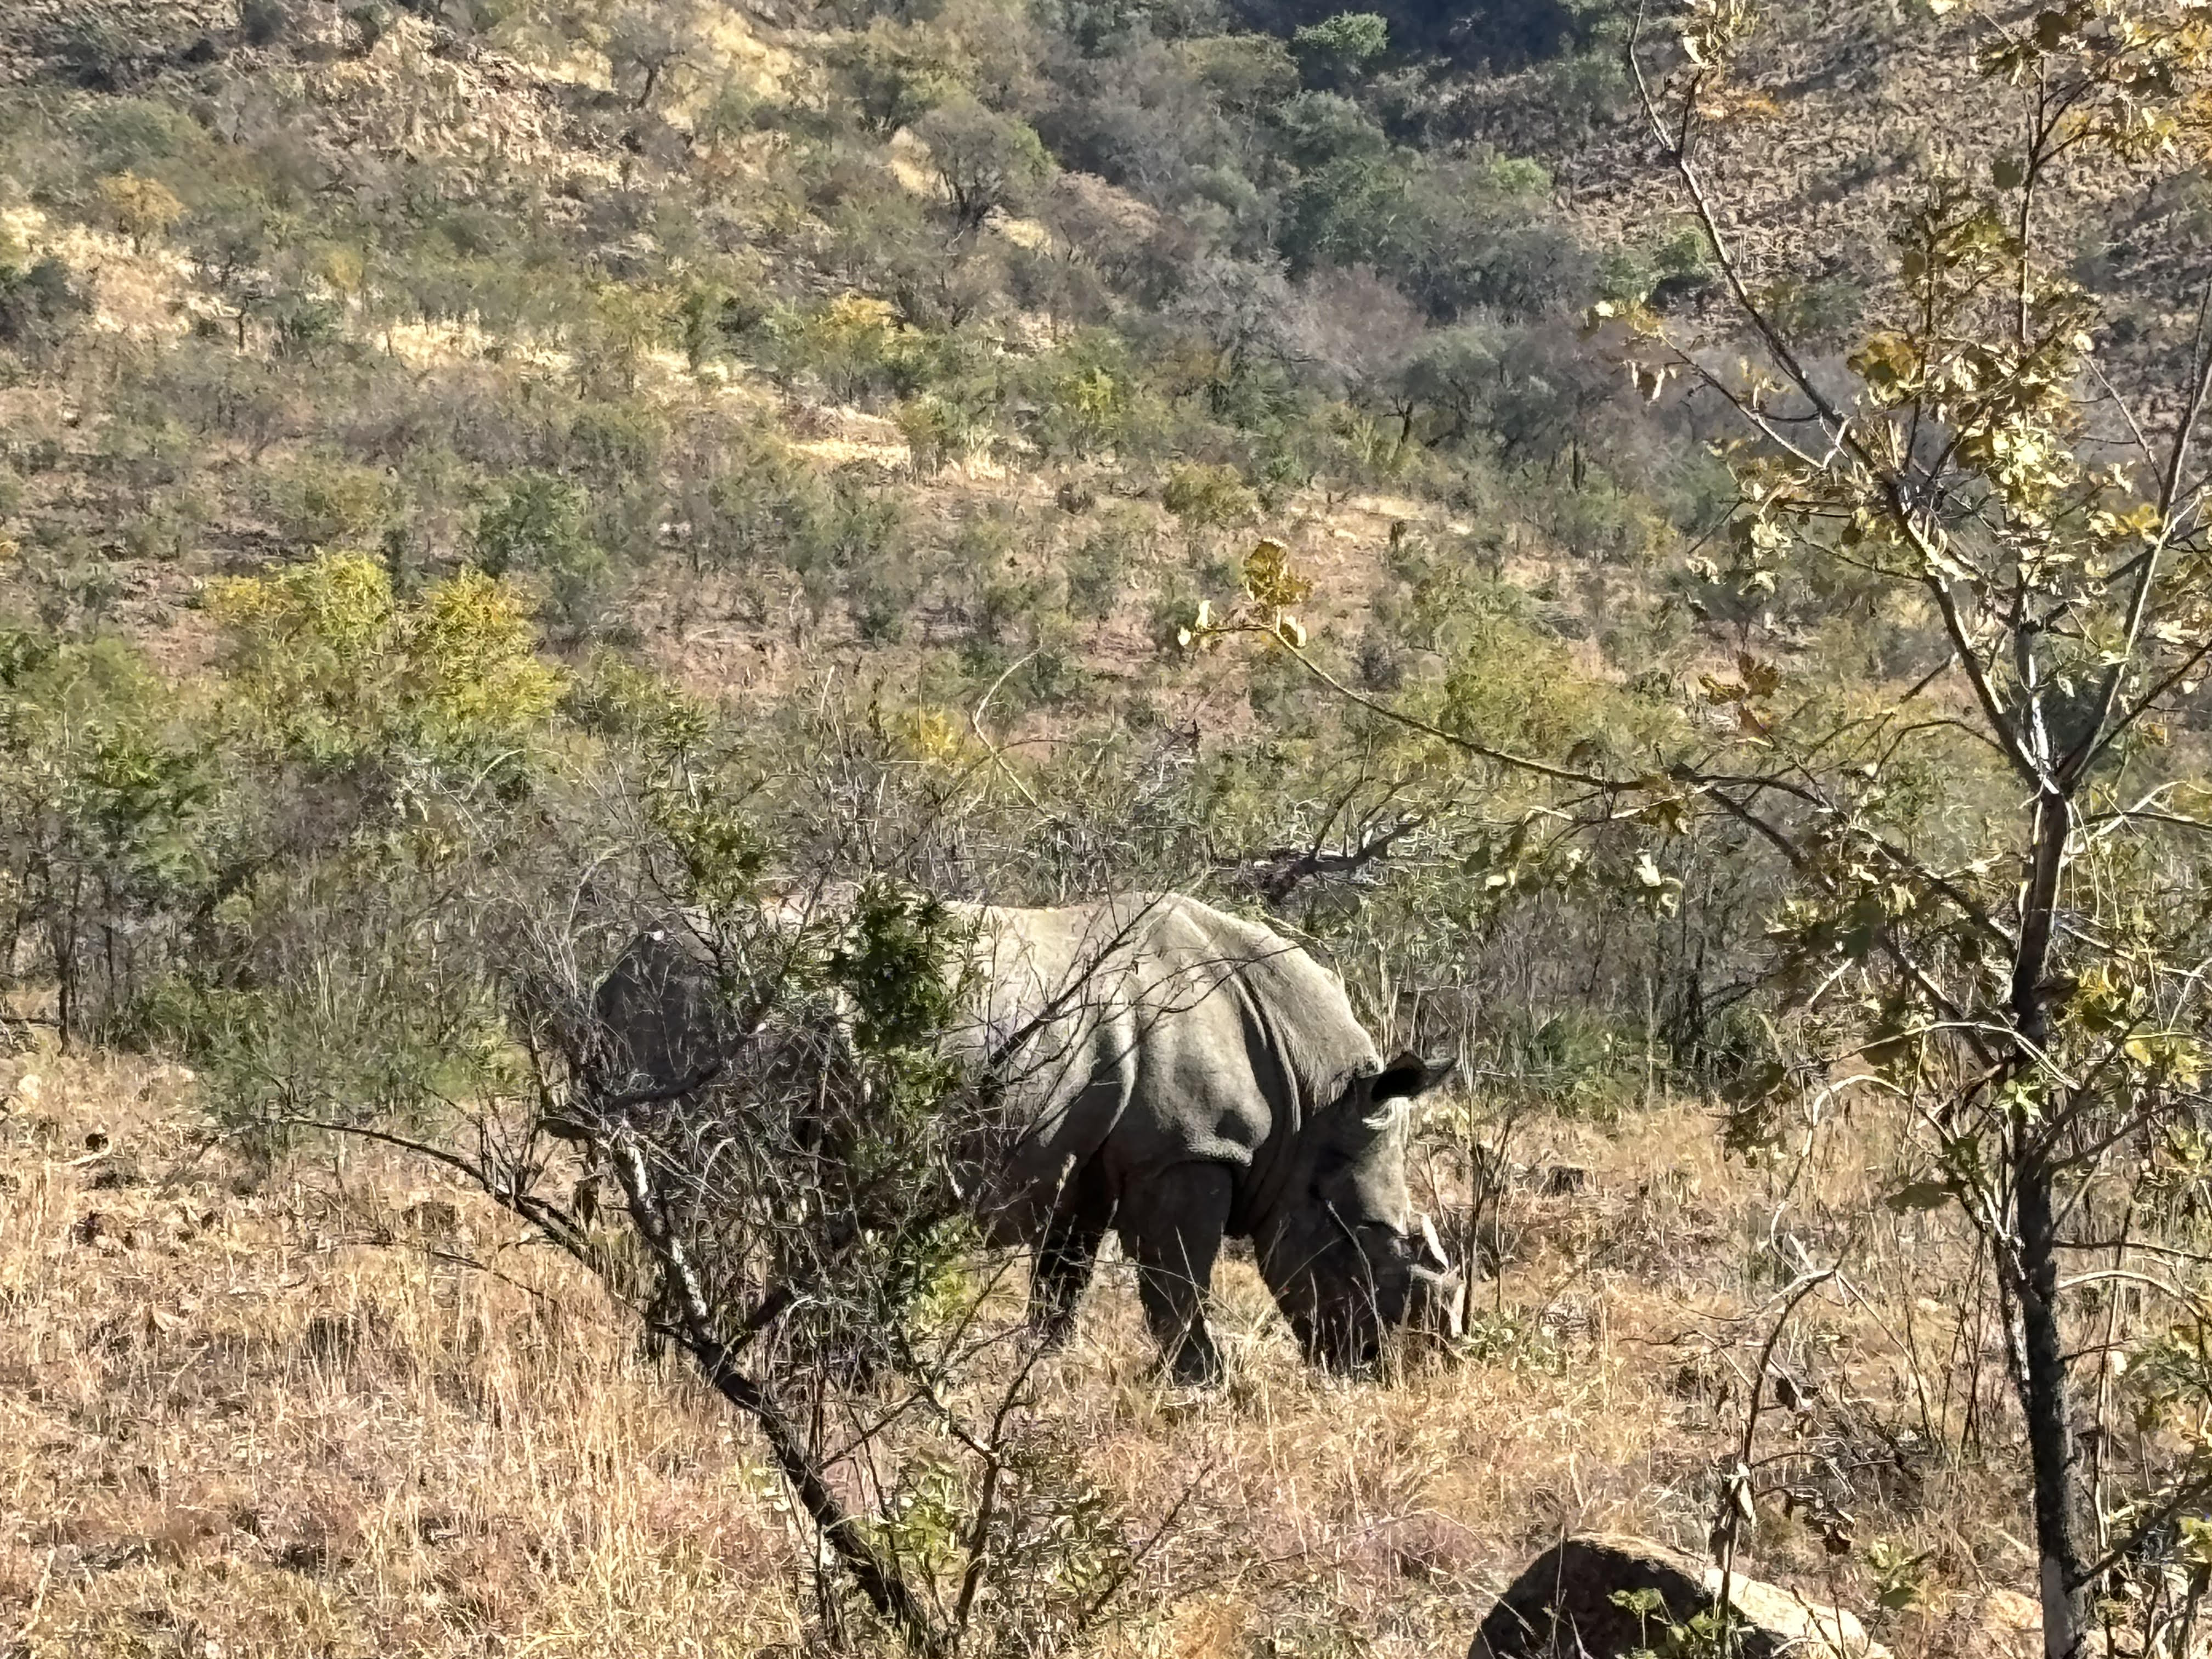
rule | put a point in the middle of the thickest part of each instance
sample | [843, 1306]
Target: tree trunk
[2044, 1400]
[2043, 1349]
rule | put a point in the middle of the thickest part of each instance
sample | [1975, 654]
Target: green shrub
[893, 74]
[614, 444]
[1088, 397]
[1098, 569]
[1340, 49]
[323, 500]
[1247, 72]
[939, 431]
[853, 344]
[1208, 496]
[326, 663]
[541, 525]
[41, 307]
[108, 829]
[125, 135]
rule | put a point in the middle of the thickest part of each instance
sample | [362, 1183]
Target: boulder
[1562, 1607]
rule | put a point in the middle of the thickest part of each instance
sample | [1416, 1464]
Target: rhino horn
[1433, 1304]
[1432, 1247]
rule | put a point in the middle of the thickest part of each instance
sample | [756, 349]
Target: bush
[263, 22]
[105, 826]
[939, 431]
[986, 162]
[893, 75]
[97, 53]
[1209, 497]
[853, 344]
[1341, 48]
[1088, 398]
[41, 307]
[143, 209]
[325, 664]
[1098, 569]
[1250, 73]
[541, 525]
[616, 443]
[1479, 235]
[323, 500]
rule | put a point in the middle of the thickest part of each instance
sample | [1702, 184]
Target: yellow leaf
[1269, 577]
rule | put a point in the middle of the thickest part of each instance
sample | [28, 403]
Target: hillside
[376, 160]
[482, 478]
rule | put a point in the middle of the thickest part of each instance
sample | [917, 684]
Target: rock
[1562, 1607]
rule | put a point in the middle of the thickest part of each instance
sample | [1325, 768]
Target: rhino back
[1150, 1030]
[1142, 1030]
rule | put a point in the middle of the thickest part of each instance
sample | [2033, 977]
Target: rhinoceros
[1167, 1071]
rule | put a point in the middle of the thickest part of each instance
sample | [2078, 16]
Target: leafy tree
[985, 162]
[1362, 335]
[1475, 235]
[1338, 50]
[645, 42]
[1994, 916]
[894, 75]
[1245, 315]
[2033, 980]
[107, 831]
[1247, 72]
[144, 209]
[1315, 129]
[233, 240]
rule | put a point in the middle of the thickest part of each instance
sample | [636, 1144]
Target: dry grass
[232, 1424]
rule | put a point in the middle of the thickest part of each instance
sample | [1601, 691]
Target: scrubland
[344, 1408]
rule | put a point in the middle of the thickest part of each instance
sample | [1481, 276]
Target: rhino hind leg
[1172, 1226]
[1067, 1255]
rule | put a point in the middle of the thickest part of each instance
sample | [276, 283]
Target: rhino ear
[1409, 1075]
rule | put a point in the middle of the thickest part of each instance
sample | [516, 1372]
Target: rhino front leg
[1171, 1225]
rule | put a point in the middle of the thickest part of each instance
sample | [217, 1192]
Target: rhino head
[1341, 1250]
